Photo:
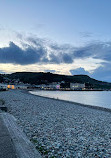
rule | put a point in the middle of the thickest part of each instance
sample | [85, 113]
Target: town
[49, 81]
[51, 86]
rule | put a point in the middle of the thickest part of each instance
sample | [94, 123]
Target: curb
[24, 148]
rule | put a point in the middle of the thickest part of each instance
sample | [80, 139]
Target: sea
[94, 98]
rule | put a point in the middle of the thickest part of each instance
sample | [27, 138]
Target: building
[3, 86]
[10, 86]
[77, 86]
[16, 86]
[51, 86]
[20, 87]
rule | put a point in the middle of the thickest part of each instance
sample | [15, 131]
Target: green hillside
[45, 78]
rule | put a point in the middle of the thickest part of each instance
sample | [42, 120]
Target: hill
[45, 78]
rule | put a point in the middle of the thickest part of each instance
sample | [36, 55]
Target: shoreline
[76, 103]
[58, 128]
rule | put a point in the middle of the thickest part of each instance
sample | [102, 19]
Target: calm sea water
[95, 98]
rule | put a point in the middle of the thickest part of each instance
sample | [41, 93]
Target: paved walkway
[6, 145]
[13, 141]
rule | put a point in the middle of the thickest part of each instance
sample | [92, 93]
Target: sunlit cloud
[40, 55]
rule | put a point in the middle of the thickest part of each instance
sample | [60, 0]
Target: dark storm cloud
[61, 58]
[34, 52]
[67, 58]
[96, 50]
[15, 54]
[55, 58]
[36, 41]
[38, 50]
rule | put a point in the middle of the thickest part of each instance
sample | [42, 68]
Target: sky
[60, 36]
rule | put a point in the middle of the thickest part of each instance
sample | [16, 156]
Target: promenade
[7, 149]
[13, 141]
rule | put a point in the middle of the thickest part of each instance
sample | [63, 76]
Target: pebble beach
[59, 129]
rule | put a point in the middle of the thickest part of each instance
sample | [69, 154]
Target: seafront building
[77, 86]
[57, 86]
[50, 86]
[3, 86]
[10, 86]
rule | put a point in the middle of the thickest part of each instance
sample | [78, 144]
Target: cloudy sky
[60, 36]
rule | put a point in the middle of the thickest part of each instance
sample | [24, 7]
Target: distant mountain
[45, 78]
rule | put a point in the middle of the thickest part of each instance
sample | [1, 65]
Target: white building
[52, 86]
[3, 86]
[21, 87]
[77, 86]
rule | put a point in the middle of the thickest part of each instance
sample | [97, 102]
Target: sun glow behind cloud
[88, 64]
[30, 53]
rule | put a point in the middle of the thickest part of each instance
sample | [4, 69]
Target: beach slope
[58, 128]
